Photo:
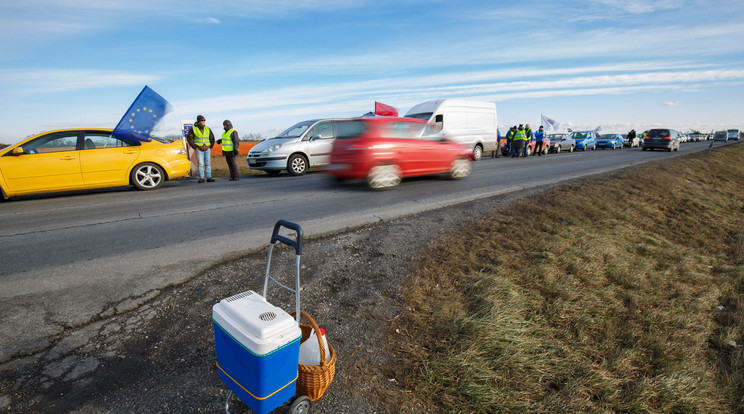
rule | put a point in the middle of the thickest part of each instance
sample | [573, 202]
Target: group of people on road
[201, 139]
[519, 137]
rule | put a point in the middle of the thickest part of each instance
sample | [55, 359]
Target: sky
[265, 65]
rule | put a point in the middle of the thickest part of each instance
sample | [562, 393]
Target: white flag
[549, 124]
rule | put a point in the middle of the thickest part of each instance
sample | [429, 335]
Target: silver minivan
[304, 145]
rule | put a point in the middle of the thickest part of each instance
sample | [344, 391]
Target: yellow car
[81, 159]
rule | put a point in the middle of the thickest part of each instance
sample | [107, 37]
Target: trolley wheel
[301, 405]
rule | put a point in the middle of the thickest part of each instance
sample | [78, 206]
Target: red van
[384, 150]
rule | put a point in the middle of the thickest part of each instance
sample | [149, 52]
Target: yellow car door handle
[69, 158]
[130, 152]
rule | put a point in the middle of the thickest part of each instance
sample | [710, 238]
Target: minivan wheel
[297, 165]
[460, 168]
[477, 152]
[383, 176]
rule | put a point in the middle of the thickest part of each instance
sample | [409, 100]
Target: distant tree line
[251, 136]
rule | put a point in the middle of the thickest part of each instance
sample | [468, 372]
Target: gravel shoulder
[160, 356]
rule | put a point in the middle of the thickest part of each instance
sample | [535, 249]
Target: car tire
[297, 165]
[571, 148]
[583, 148]
[558, 149]
[461, 168]
[384, 176]
[477, 152]
[147, 176]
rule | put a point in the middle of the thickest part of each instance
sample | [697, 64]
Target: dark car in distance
[662, 138]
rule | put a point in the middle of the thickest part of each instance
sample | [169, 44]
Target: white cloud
[209, 20]
[671, 104]
[66, 80]
[642, 6]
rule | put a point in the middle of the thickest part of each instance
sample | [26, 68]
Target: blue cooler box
[258, 349]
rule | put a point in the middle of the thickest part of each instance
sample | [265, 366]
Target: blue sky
[265, 65]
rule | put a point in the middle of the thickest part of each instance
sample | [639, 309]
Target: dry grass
[599, 296]
[219, 167]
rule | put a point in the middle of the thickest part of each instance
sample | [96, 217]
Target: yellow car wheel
[147, 176]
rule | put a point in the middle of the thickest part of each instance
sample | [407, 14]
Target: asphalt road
[70, 259]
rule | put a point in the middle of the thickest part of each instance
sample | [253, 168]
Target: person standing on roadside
[631, 138]
[519, 141]
[495, 153]
[230, 143]
[539, 139]
[528, 134]
[201, 139]
[510, 140]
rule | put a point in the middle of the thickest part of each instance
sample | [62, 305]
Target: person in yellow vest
[230, 143]
[519, 142]
[201, 138]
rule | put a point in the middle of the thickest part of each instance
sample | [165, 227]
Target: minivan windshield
[579, 135]
[296, 130]
[422, 115]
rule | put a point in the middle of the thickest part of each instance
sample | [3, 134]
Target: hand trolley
[258, 344]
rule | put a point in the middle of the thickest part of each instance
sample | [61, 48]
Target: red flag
[385, 110]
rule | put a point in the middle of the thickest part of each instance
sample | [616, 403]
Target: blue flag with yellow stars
[139, 121]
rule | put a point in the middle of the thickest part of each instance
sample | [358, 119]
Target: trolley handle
[275, 236]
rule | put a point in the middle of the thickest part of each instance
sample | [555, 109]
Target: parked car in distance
[661, 138]
[610, 141]
[88, 158]
[561, 142]
[382, 151]
[636, 142]
[733, 134]
[585, 139]
[304, 145]
[720, 136]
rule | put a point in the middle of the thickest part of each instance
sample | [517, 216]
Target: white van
[472, 123]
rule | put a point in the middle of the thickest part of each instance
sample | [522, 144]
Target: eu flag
[139, 121]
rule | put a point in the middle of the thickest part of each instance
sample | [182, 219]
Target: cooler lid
[251, 314]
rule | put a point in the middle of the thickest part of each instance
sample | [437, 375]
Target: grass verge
[619, 293]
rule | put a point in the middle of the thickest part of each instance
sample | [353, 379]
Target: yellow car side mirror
[17, 151]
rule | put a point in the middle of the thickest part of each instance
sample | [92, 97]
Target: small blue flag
[139, 121]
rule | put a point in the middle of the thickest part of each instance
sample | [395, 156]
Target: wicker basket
[313, 380]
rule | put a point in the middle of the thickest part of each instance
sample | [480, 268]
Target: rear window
[658, 133]
[349, 129]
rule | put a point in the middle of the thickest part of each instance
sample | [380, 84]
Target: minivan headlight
[274, 147]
